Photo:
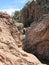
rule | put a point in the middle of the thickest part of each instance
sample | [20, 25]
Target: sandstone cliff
[33, 11]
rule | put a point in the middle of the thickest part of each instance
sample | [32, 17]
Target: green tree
[16, 15]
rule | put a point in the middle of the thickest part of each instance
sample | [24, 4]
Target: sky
[10, 6]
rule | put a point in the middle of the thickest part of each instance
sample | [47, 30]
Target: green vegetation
[16, 16]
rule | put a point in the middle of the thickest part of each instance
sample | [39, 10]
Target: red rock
[31, 11]
[37, 38]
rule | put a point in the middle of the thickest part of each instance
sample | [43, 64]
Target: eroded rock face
[10, 41]
[31, 12]
[37, 38]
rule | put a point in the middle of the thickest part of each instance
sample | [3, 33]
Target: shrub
[16, 15]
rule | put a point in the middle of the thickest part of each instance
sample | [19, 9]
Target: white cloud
[10, 10]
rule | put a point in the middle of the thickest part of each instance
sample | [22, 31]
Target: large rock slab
[11, 52]
[37, 38]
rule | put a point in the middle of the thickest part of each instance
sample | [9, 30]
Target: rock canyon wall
[37, 38]
[11, 52]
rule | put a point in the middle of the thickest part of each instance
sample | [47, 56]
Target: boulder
[11, 52]
[37, 38]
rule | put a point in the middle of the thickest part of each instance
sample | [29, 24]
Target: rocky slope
[37, 38]
[11, 52]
